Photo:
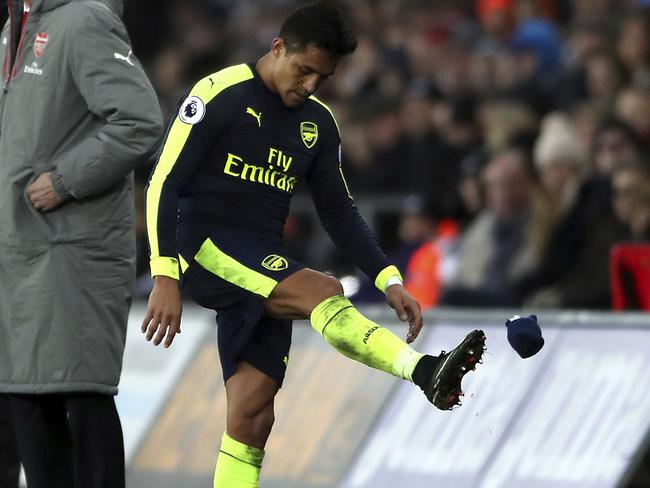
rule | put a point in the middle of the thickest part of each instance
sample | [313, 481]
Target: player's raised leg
[319, 297]
[250, 396]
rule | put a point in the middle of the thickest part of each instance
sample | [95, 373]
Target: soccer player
[216, 204]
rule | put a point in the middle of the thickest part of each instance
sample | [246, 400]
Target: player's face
[299, 74]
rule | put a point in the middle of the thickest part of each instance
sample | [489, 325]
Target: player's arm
[201, 117]
[351, 234]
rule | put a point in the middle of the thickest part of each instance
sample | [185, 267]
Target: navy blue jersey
[233, 156]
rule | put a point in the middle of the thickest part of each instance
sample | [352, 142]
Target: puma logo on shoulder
[257, 116]
[126, 58]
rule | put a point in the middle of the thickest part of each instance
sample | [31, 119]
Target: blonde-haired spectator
[561, 163]
[559, 142]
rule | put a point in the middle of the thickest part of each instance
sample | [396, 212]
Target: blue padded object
[525, 335]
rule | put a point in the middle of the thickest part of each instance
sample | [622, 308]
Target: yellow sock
[361, 339]
[238, 465]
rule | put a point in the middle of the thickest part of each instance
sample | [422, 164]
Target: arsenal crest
[40, 44]
[309, 133]
[273, 262]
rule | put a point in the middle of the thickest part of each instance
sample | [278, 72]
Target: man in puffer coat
[77, 114]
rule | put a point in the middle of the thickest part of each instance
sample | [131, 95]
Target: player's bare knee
[251, 427]
[329, 286]
[320, 289]
[263, 423]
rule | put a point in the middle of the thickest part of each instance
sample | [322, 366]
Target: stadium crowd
[514, 132]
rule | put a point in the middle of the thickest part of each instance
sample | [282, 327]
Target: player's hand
[406, 308]
[42, 194]
[163, 311]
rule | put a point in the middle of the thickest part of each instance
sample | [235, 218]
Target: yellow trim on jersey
[206, 89]
[164, 266]
[345, 182]
[184, 264]
[228, 268]
[312, 97]
[386, 274]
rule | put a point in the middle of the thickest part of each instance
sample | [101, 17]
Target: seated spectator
[501, 120]
[631, 199]
[633, 47]
[561, 164]
[633, 108]
[573, 271]
[470, 189]
[587, 118]
[495, 250]
[615, 142]
[604, 76]
[582, 41]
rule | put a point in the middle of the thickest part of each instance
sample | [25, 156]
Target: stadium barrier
[575, 415]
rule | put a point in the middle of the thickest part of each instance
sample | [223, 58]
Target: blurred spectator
[417, 225]
[495, 249]
[582, 41]
[631, 199]
[604, 76]
[595, 11]
[633, 107]
[573, 271]
[456, 121]
[633, 47]
[615, 143]
[497, 18]
[539, 36]
[586, 118]
[427, 270]
[501, 121]
[470, 187]
[561, 165]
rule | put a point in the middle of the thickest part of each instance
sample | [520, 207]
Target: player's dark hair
[321, 24]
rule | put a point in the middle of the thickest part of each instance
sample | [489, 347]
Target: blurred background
[499, 150]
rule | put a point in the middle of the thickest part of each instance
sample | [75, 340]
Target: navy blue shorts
[232, 272]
